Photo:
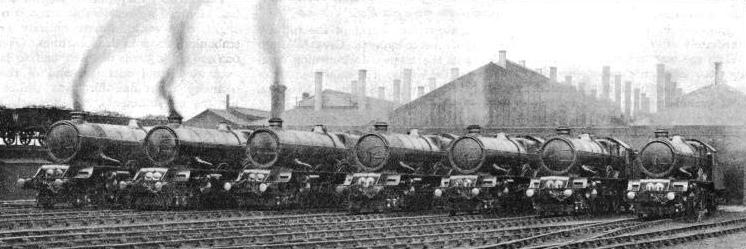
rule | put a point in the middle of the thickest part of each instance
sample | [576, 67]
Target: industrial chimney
[553, 74]
[618, 91]
[361, 75]
[605, 81]
[628, 98]
[636, 109]
[668, 88]
[397, 91]
[660, 72]
[227, 102]
[407, 91]
[381, 92]
[568, 80]
[502, 60]
[454, 73]
[523, 63]
[717, 72]
[420, 91]
[318, 99]
[432, 84]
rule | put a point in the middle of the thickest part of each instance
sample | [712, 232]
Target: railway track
[88, 235]
[104, 218]
[342, 234]
[665, 237]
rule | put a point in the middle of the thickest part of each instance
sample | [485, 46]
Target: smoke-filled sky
[42, 43]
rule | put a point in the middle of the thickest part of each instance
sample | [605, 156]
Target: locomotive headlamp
[122, 185]
[438, 193]
[262, 187]
[587, 195]
[58, 182]
[475, 191]
[529, 192]
[227, 186]
[630, 195]
[594, 192]
[149, 176]
[158, 186]
[506, 190]
[670, 196]
[567, 192]
[20, 182]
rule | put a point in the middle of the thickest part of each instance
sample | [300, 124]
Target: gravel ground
[726, 242]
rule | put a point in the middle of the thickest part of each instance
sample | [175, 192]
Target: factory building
[506, 94]
[235, 117]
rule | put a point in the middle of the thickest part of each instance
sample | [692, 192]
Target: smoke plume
[124, 24]
[180, 23]
[269, 22]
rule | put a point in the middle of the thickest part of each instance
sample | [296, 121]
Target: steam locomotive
[396, 171]
[491, 171]
[192, 167]
[677, 177]
[288, 168]
[582, 174]
[92, 163]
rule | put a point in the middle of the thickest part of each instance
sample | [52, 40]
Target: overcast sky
[42, 43]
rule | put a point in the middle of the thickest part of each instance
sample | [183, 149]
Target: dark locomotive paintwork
[677, 178]
[581, 174]
[489, 171]
[386, 151]
[397, 171]
[77, 140]
[175, 144]
[292, 168]
[313, 150]
[94, 157]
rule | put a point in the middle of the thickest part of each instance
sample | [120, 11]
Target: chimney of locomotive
[503, 59]
[278, 99]
[318, 99]
[553, 74]
[174, 118]
[454, 73]
[223, 126]
[381, 126]
[275, 123]
[362, 73]
[381, 92]
[563, 131]
[661, 133]
[78, 116]
[473, 129]
[319, 128]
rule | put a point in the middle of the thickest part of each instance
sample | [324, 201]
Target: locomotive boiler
[676, 177]
[292, 167]
[396, 171]
[193, 165]
[90, 159]
[489, 171]
[582, 174]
